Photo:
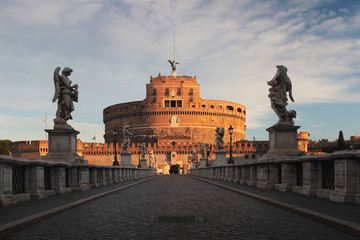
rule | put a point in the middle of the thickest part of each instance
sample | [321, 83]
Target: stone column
[213, 173]
[36, 182]
[59, 180]
[288, 178]
[310, 179]
[245, 174]
[237, 174]
[345, 181]
[84, 178]
[101, 176]
[94, 177]
[73, 178]
[6, 197]
[252, 175]
[231, 173]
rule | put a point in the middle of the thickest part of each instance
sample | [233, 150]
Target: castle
[174, 111]
[173, 120]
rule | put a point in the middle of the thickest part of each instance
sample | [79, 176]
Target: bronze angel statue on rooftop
[280, 86]
[65, 95]
[173, 64]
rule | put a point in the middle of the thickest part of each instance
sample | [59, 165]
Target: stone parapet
[24, 179]
[333, 176]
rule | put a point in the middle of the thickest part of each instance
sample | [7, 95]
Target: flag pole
[45, 120]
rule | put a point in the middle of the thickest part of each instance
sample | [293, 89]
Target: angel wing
[289, 89]
[56, 83]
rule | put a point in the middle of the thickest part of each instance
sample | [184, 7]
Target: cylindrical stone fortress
[174, 111]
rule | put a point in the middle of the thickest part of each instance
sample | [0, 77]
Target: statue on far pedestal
[194, 155]
[62, 144]
[65, 94]
[203, 146]
[143, 150]
[219, 138]
[127, 135]
[280, 86]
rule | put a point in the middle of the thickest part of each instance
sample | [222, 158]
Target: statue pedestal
[62, 146]
[202, 162]
[283, 141]
[126, 160]
[143, 163]
[220, 158]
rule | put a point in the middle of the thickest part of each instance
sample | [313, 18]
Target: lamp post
[115, 163]
[231, 160]
[139, 165]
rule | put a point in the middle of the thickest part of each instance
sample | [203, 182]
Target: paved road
[177, 207]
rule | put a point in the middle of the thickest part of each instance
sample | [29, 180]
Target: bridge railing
[24, 179]
[333, 176]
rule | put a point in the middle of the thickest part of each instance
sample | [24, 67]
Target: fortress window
[179, 91]
[203, 106]
[231, 108]
[191, 99]
[173, 103]
[239, 110]
[179, 103]
[166, 91]
[244, 112]
[154, 92]
[212, 106]
[220, 106]
[191, 92]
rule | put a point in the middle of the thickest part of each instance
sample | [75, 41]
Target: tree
[341, 142]
[5, 147]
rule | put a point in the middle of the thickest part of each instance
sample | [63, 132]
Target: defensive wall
[162, 151]
[25, 179]
[333, 176]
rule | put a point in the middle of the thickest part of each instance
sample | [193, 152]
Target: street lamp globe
[231, 160]
[231, 129]
[116, 162]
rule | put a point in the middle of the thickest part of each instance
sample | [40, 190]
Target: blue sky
[231, 46]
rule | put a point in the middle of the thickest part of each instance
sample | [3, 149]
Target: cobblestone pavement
[177, 207]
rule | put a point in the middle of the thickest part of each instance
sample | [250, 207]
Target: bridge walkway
[176, 207]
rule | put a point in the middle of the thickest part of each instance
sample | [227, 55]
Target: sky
[232, 46]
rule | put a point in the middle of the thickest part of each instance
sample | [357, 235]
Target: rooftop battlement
[172, 79]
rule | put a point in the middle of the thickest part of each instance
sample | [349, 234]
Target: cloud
[232, 47]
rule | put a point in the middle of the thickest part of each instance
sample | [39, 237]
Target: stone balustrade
[24, 179]
[333, 176]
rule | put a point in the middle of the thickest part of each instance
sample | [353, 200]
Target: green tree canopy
[5, 147]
